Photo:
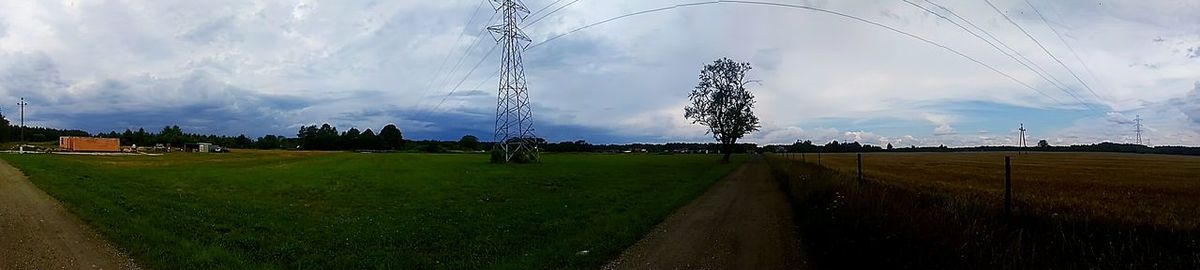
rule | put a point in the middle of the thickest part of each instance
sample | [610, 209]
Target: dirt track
[741, 222]
[36, 232]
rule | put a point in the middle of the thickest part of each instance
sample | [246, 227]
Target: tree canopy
[722, 103]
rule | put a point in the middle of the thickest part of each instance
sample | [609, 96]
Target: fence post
[860, 172]
[818, 158]
[1007, 185]
[802, 157]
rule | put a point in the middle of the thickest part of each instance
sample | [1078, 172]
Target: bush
[498, 157]
[433, 147]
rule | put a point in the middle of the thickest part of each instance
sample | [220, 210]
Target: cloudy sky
[268, 67]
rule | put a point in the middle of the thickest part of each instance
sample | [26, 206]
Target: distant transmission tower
[1137, 128]
[1023, 145]
[514, 119]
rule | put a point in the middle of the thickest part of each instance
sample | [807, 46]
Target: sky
[1075, 72]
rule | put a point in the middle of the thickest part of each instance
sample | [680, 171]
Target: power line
[1069, 48]
[619, 17]
[544, 9]
[1040, 71]
[1014, 58]
[444, 83]
[1081, 60]
[852, 17]
[460, 82]
[458, 64]
[551, 13]
[450, 51]
[1035, 41]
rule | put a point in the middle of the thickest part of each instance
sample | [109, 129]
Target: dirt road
[36, 232]
[742, 222]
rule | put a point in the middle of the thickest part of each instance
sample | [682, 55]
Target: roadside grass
[949, 215]
[273, 210]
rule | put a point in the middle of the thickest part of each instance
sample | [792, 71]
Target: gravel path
[742, 222]
[36, 232]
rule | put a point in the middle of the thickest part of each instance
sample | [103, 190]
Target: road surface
[36, 232]
[742, 222]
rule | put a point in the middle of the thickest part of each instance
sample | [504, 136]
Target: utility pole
[1023, 145]
[514, 119]
[22, 103]
[1137, 127]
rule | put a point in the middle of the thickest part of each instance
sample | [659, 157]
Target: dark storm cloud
[31, 75]
[453, 124]
[1190, 104]
[250, 114]
[198, 103]
[471, 93]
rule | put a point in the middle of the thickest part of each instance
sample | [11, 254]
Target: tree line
[173, 136]
[1042, 146]
[326, 137]
[11, 132]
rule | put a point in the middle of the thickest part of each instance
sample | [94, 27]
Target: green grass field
[347, 210]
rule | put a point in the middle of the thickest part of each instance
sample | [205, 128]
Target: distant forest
[11, 132]
[1042, 146]
[390, 138]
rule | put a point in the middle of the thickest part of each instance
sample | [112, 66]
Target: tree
[242, 141]
[889, 146]
[391, 137]
[308, 137]
[1043, 144]
[4, 129]
[721, 102]
[368, 140]
[269, 142]
[171, 135]
[469, 142]
[141, 137]
[327, 137]
[349, 139]
[127, 137]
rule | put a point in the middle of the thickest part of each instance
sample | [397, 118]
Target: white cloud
[629, 77]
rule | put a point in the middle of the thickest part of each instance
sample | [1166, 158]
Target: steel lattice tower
[1023, 145]
[514, 119]
[1137, 128]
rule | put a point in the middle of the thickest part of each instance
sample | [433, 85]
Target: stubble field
[1162, 190]
[945, 210]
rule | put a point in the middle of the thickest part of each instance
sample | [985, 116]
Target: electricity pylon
[1137, 127]
[1023, 145]
[514, 119]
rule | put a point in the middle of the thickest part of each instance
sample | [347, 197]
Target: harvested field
[945, 210]
[1162, 190]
